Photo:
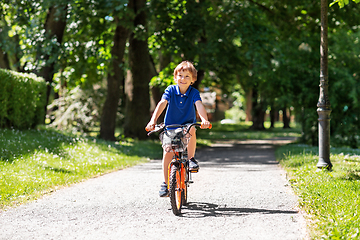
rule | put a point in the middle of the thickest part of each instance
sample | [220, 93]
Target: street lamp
[323, 105]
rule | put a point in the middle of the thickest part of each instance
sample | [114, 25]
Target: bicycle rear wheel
[175, 189]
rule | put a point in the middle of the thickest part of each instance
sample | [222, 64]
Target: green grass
[331, 198]
[35, 162]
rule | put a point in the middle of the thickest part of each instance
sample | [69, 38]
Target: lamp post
[323, 105]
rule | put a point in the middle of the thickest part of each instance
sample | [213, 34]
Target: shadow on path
[202, 210]
[227, 155]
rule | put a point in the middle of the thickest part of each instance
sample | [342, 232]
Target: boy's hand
[205, 124]
[150, 126]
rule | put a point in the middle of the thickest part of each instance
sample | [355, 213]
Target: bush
[77, 110]
[22, 99]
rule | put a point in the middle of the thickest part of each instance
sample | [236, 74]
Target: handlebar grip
[210, 126]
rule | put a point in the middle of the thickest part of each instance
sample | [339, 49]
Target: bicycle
[175, 138]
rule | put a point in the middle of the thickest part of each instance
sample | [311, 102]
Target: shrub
[77, 110]
[22, 99]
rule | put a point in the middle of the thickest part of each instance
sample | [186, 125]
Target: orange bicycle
[175, 138]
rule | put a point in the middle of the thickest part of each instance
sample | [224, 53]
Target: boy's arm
[157, 112]
[203, 114]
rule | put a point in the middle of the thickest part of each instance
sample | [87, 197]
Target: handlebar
[162, 126]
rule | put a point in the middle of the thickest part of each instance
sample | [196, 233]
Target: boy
[181, 100]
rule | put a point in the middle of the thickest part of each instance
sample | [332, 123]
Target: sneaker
[164, 192]
[193, 165]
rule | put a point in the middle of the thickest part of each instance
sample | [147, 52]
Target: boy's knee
[192, 131]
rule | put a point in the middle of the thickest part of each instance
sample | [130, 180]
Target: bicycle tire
[175, 189]
[184, 179]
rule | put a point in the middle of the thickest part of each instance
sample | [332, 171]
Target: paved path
[240, 192]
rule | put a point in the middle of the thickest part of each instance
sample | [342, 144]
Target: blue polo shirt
[181, 107]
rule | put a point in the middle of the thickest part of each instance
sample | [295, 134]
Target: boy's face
[184, 79]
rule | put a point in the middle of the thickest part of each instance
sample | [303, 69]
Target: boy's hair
[186, 66]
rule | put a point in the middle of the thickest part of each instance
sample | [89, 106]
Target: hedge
[22, 99]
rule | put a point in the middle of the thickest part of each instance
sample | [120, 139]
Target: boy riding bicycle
[181, 100]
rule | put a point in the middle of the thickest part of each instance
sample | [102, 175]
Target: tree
[268, 47]
[137, 99]
[229, 39]
[115, 83]
[13, 23]
[49, 50]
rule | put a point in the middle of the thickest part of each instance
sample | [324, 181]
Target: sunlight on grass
[36, 161]
[331, 198]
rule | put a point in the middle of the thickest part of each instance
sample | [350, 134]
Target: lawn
[331, 198]
[36, 162]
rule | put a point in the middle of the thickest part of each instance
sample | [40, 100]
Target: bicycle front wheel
[184, 183]
[175, 189]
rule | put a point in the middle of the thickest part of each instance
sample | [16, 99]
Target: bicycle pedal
[190, 181]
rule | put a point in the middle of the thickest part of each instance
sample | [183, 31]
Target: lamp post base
[324, 139]
[324, 164]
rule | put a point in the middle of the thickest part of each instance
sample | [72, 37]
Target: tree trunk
[249, 104]
[54, 27]
[115, 84]
[200, 77]
[155, 91]
[138, 99]
[258, 112]
[286, 118]
[10, 59]
[4, 60]
[272, 117]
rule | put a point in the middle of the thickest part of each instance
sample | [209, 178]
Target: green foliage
[165, 78]
[268, 46]
[330, 198]
[296, 68]
[77, 110]
[342, 3]
[344, 89]
[22, 99]
[235, 113]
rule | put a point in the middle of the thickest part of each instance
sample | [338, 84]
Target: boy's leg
[192, 143]
[167, 157]
[193, 164]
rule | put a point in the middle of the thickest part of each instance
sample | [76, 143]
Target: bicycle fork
[185, 174]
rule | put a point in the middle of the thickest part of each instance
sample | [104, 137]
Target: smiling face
[185, 74]
[183, 79]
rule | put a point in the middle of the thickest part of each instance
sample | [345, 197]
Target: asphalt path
[240, 192]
